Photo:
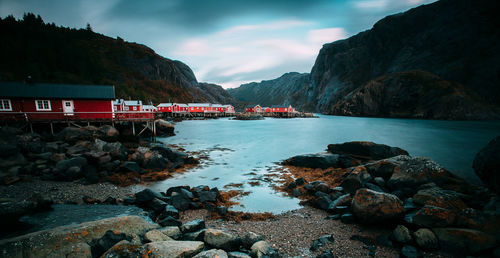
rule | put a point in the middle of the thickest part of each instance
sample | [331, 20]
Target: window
[43, 105]
[67, 103]
[135, 108]
[5, 105]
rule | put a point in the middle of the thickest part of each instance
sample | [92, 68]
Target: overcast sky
[227, 42]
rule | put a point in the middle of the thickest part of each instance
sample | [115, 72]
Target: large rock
[110, 238]
[487, 164]
[463, 241]
[221, 239]
[401, 234]
[438, 197]
[149, 159]
[108, 133]
[372, 207]
[192, 226]
[412, 172]
[366, 150]
[356, 179]
[171, 231]
[73, 162]
[41, 243]
[173, 249]
[323, 160]
[124, 250]
[164, 128]
[431, 216]
[146, 196]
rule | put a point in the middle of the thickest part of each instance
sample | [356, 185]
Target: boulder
[323, 202]
[164, 128]
[124, 250]
[426, 239]
[180, 202]
[342, 201]
[172, 231]
[262, 249]
[169, 221]
[130, 166]
[221, 239]
[487, 163]
[195, 236]
[149, 159]
[431, 216]
[411, 172]
[382, 168]
[73, 162]
[8, 150]
[438, 197]
[156, 236]
[146, 195]
[169, 210]
[41, 243]
[320, 160]
[108, 133]
[212, 253]
[238, 255]
[356, 179]
[192, 226]
[366, 150]
[110, 238]
[30, 143]
[318, 186]
[372, 207]
[463, 241]
[174, 249]
[401, 234]
[251, 238]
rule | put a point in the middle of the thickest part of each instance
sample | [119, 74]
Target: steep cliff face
[216, 94]
[454, 42]
[48, 53]
[453, 39]
[290, 88]
[415, 94]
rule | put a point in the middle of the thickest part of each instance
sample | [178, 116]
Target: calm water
[240, 151]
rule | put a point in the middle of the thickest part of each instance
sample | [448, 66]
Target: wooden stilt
[133, 128]
[31, 127]
[51, 128]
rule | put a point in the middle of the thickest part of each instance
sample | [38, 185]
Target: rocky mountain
[437, 61]
[290, 88]
[47, 53]
[216, 94]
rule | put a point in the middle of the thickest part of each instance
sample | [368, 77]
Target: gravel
[64, 192]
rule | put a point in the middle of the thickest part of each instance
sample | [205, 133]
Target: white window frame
[2, 107]
[43, 108]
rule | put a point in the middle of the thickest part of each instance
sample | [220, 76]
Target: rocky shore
[361, 199]
[427, 207]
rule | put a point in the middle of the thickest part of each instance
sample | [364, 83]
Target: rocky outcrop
[366, 150]
[487, 165]
[66, 238]
[324, 160]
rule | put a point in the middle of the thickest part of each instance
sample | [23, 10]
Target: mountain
[285, 90]
[437, 61]
[47, 53]
[216, 94]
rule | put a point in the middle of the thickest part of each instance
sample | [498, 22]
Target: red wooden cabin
[253, 109]
[200, 107]
[281, 109]
[165, 107]
[229, 109]
[132, 110]
[266, 109]
[47, 101]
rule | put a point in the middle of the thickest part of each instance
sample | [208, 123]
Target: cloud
[326, 35]
[371, 4]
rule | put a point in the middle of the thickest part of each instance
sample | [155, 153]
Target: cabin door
[68, 107]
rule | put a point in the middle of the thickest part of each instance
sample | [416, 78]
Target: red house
[200, 107]
[253, 109]
[165, 107]
[281, 109]
[266, 109]
[47, 101]
[229, 109]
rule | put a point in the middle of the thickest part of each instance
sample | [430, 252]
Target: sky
[227, 42]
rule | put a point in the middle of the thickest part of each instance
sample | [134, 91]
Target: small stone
[263, 249]
[300, 181]
[401, 234]
[195, 236]
[426, 239]
[409, 251]
[212, 253]
[296, 192]
[251, 238]
[171, 231]
[169, 221]
[193, 226]
[220, 239]
[238, 255]
[173, 248]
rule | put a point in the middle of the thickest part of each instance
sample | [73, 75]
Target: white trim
[5, 109]
[43, 109]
